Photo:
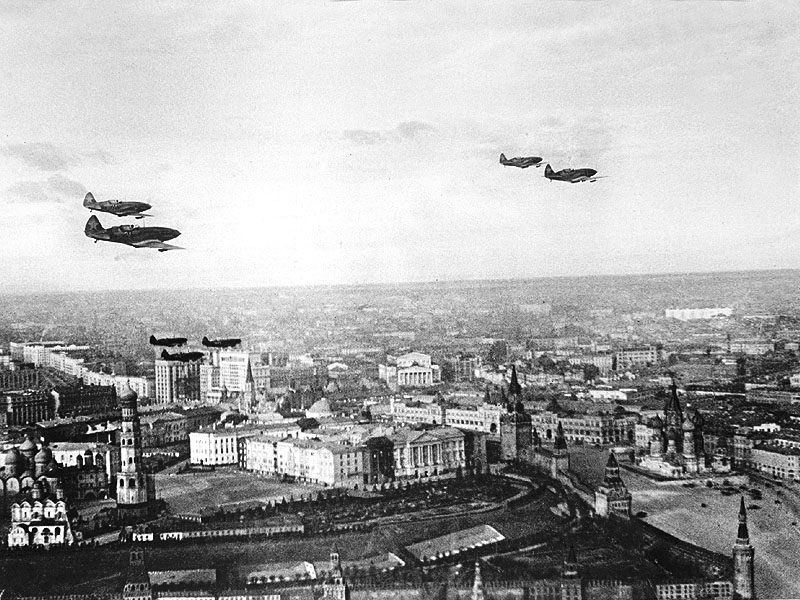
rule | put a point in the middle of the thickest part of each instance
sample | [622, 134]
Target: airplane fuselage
[523, 162]
[120, 209]
[570, 175]
[133, 235]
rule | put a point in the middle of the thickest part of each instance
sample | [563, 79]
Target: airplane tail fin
[204, 341]
[165, 355]
[88, 200]
[93, 226]
[153, 340]
[548, 171]
[503, 158]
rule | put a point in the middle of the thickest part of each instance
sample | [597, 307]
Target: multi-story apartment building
[234, 370]
[632, 357]
[214, 447]
[225, 446]
[484, 418]
[163, 429]
[415, 411]
[140, 385]
[20, 379]
[603, 428]
[80, 399]
[313, 461]
[751, 347]
[177, 381]
[25, 407]
[464, 366]
[776, 460]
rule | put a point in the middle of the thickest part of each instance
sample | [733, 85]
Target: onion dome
[12, 458]
[52, 465]
[28, 447]
[656, 422]
[127, 398]
[26, 473]
[44, 456]
[320, 408]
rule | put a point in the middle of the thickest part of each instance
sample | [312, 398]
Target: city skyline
[358, 143]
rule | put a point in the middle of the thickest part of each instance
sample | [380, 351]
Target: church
[674, 447]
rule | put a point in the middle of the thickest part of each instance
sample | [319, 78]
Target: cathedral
[675, 447]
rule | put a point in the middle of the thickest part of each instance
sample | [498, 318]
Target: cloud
[66, 186]
[31, 191]
[407, 130]
[102, 156]
[364, 137]
[45, 157]
[56, 189]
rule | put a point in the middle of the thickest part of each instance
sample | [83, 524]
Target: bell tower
[133, 485]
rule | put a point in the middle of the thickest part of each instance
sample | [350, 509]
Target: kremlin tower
[743, 553]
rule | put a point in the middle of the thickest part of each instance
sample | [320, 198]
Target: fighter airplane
[182, 356]
[226, 343]
[571, 175]
[115, 207]
[154, 341]
[131, 235]
[523, 162]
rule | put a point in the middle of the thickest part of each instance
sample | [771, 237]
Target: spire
[504, 399]
[514, 388]
[570, 566]
[561, 441]
[477, 586]
[612, 478]
[743, 536]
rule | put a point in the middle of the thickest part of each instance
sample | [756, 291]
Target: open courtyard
[191, 492]
[705, 517]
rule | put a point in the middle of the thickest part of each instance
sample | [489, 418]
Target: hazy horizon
[405, 283]
[328, 143]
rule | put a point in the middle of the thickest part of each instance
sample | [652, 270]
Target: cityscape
[632, 437]
[376, 300]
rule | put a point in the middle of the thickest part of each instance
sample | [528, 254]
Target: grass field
[193, 491]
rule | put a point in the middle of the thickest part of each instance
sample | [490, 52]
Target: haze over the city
[357, 142]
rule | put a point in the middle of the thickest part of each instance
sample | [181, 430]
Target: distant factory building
[692, 314]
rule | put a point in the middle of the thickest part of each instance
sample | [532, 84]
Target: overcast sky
[355, 142]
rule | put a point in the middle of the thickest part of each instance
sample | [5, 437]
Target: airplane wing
[140, 215]
[160, 246]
